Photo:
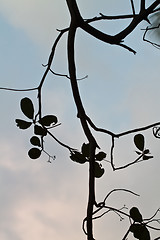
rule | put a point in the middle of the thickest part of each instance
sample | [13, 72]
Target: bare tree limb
[133, 8]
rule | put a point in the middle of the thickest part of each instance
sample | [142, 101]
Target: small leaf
[139, 153]
[100, 156]
[85, 149]
[145, 234]
[146, 151]
[139, 141]
[78, 157]
[145, 157]
[34, 153]
[23, 124]
[38, 130]
[140, 232]
[136, 230]
[35, 141]
[99, 171]
[135, 215]
[48, 120]
[27, 107]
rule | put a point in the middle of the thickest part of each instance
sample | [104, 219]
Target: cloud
[38, 19]
[37, 198]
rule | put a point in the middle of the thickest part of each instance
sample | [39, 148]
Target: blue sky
[39, 200]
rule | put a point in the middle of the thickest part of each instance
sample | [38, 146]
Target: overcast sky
[39, 200]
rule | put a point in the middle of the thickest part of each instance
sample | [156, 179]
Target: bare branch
[106, 17]
[137, 160]
[136, 20]
[146, 40]
[65, 75]
[133, 8]
[142, 6]
[18, 90]
[120, 189]
[137, 129]
[118, 135]
[151, 218]
[125, 236]
[62, 144]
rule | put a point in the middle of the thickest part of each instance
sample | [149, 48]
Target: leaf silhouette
[99, 171]
[38, 130]
[139, 141]
[136, 230]
[145, 234]
[146, 157]
[85, 149]
[27, 107]
[100, 156]
[35, 141]
[140, 232]
[146, 151]
[48, 120]
[139, 153]
[78, 157]
[23, 124]
[34, 153]
[135, 214]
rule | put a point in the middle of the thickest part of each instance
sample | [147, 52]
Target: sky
[41, 200]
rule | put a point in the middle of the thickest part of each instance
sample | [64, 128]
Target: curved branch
[106, 17]
[120, 189]
[59, 142]
[81, 114]
[140, 17]
[18, 90]
[118, 135]
[133, 8]
[50, 60]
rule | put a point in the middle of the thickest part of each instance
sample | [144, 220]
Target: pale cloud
[37, 198]
[38, 19]
[40, 217]
[48, 218]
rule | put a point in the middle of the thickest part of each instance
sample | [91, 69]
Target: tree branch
[142, 6]
[133, 8]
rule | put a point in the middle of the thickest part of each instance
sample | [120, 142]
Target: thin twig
[18, 90]
[105, 17]
[137, 130]
[62, 144]
[128, 164]
[133, 8]
[120, 189]
[148, 219]
[146, 40]
[122, 133]
[65, 75]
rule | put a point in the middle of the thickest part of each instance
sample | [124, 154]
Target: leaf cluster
[138, 227]
[83, 156]
[139, 141]
[40, 126]
[140, 231]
